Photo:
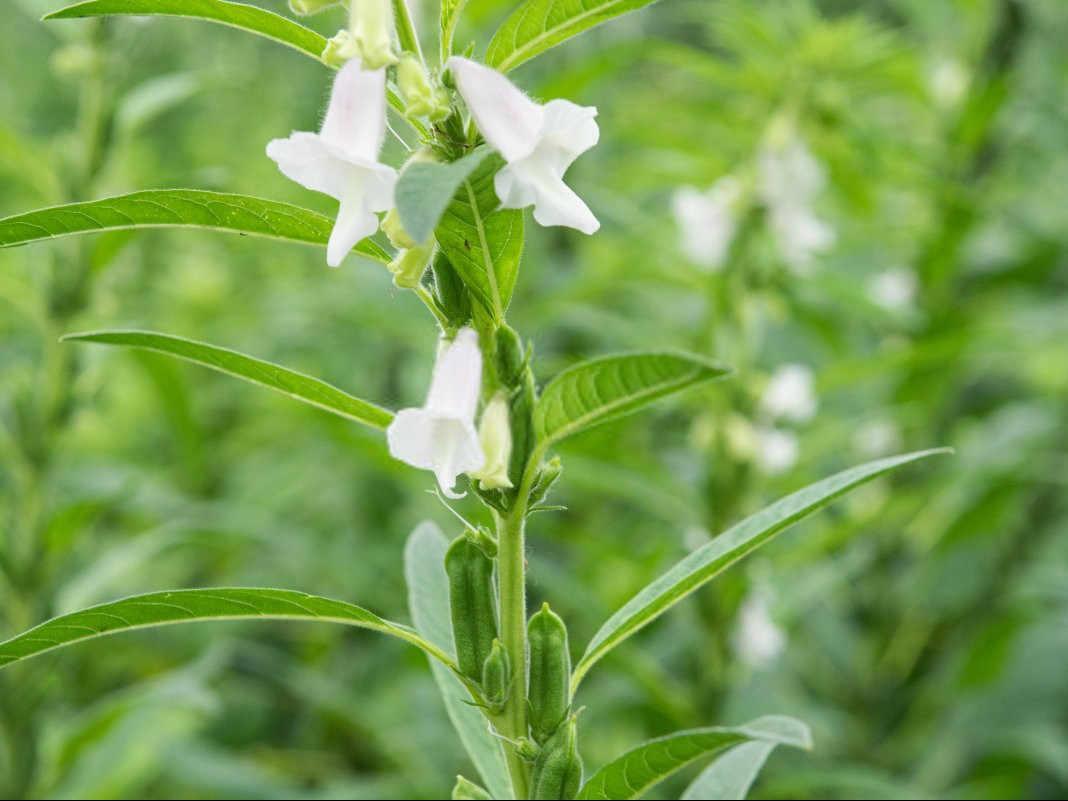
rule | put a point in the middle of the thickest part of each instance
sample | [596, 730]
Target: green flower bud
[495, 435]
[409, 265]
[465, 790]
[339, 48]
[472, 604]
[421, 98]
[393, 229]
[496, 678]
[372, 31]
[558, 768]
[549, 691]
[305, 8]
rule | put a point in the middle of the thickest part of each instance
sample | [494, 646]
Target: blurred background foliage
[924, 621]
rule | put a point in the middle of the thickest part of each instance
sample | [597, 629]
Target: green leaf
[731, 775]
[483, 243]
[178, 208]
[637, 770]
[190, 606]
[599, 390]
[538, 25]
[428, 602]
[450, 15]
[706, 562]
[236, 15]
[288, 382]
[425, 189]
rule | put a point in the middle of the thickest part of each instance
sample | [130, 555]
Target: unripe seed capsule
[465, 790]
[550, 673]
[496, 678]
[472, 604]
[558, 769]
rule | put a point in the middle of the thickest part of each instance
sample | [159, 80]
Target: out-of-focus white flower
[495, 435]
[707, 221]
[877, 438]
[791, 394]
[441, 436]
[894, 289]
[790, 180]
[538, 143]
[776, 450]
[342, 159]
[947, 81]
[757, 639]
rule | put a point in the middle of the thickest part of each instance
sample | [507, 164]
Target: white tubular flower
[790, 179]
[707, 221]
[894, 289]
[776, 450]
[757, 639]
[791, 394]
[441, 435]
[538, 142]
[495, 434]
[342, 159]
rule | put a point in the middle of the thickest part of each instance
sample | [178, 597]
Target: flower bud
[409, 266]
[398, 237]
[495, 434]
[372, 30]
[549, 694]
[465, 790]
[421, 98]
[305, 8]
[339, 48]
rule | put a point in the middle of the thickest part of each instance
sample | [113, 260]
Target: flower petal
[508, 119]
[534, 181]
[569, 130]
[457, 380]
[356, 117]
[427, 441]
[305, 158]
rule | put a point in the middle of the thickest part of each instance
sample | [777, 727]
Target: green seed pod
[465, 790]
[496, 678]
[550, 673]
[558, 769]
[472, 604]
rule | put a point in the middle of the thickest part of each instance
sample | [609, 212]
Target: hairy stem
[511, 575]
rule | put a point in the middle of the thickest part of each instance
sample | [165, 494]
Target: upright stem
[406, 35]
[511, 574]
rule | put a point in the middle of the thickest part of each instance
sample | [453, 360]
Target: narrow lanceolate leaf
[178, 208]
[289, 382]
[425, 189]
[450, 15]
[483, 243]
[640, 768]
[428, 602]
[706, 562]
[730, 776]
[236, 15]
[190, 606]
[603, 389]
[538, 25]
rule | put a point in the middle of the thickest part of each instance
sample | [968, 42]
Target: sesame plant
[452, 221]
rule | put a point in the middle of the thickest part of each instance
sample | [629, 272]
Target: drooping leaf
[289, 382]
[599, 390]
[190, 606]
[483, 243]
[730, 776]
[178, 208]
[428, 602]
[236, 15]
[637, 770]
[706, 562]
[425, 189]
[538, 25]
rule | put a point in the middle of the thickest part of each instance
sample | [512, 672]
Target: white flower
[791, 394]
[441, 435]
[776, 450]
[894, 290]
[790, 180]
[707, 221]
[538, 143]
[342, 159]
[757, 639]
[947, 81]
[877, 438]
[495, 435]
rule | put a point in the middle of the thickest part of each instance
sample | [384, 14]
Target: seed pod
[465, 790]
[558, 769]
[496, 678]
[550, 673]
[472, 604]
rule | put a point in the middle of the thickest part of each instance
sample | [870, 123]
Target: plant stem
[409, 39]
